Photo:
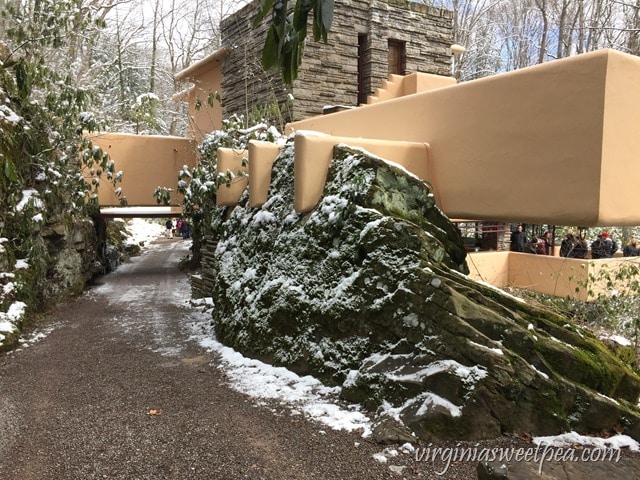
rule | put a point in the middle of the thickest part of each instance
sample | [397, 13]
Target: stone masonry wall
[329, 72]
[247, 88]
[427, 31]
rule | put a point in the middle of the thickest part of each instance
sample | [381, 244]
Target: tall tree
[525, 32]
[42, 147]
[632, 15]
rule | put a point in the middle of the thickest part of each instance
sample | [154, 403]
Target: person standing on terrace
[599, 248]
[610, 245]
[547, 238]
[580, 248]
[631, 249]
[568, 244]
[518, 240]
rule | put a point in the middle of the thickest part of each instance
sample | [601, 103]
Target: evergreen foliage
[288, 30]
[200, 185]
[44, 155]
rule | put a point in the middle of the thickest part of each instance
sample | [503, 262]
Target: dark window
[397, 57]
[363, 91]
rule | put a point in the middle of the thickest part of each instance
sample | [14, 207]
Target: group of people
[181, 228]
[604, 246]
[538, 245]
[572, 246]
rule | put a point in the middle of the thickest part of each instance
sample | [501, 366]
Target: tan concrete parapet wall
[261, 158]
[490, 267]
[555, 143]
[399, 86]
[147, 162]
[314, 152]
[231, 160]
[313, 155]
[424, 82]
[558, 276]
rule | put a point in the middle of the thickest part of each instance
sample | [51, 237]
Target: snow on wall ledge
[368, 291]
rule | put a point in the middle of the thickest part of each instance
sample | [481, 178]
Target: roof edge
[191, 69]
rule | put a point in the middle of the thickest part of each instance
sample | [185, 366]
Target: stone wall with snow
[368, 291]
[67, 258]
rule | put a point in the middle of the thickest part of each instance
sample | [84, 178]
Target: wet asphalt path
[116, 390]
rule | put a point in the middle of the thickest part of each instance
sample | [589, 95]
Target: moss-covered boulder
[369, 291]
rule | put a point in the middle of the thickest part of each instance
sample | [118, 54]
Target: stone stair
[400, 85]
[392, 87]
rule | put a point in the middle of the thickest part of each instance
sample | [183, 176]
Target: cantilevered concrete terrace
[555, 143]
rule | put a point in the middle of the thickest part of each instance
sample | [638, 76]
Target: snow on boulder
[369, 292]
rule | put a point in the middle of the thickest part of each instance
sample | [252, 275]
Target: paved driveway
[116, 390]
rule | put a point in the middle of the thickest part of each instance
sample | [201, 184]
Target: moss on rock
[369, 291]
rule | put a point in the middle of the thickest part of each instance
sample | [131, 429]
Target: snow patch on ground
[570, 439]
[266, 382]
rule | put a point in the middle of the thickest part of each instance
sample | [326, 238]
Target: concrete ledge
[424, 82]
[141, 212]
[261, 158]
[313, 155]
[558, 276]
[229, 159]
[398, 86]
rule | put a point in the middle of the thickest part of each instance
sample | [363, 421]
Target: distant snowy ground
[143, 230]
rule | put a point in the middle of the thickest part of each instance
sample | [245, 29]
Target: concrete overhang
[313, 154]
[147, 162]
[140, 212]
[197, 69]
[554, 143]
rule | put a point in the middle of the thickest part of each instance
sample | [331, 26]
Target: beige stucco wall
[621, 141]
[147, 161]
[550, 275]
[557, 276]
[490, 267]
[313, 154]
[262, 155]
[553, 143]
[208, 117]
[205, 79]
